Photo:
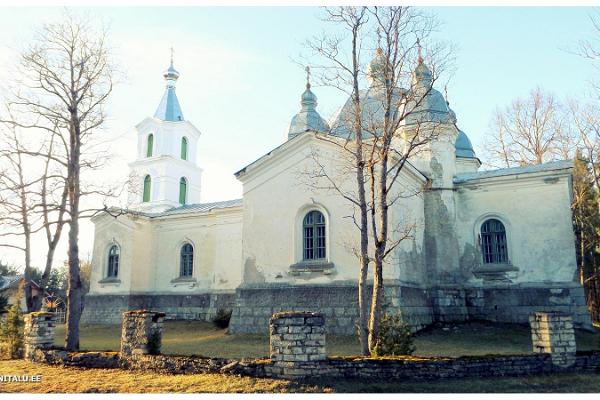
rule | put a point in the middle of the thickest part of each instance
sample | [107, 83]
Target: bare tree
[16, 204]
[531, 130]
[585, 119]
[346, 77]
[66, 79]
[374, 136]
[590, 48]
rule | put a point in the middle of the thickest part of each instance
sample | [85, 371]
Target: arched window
[493, 242]
[150, 145]
[147, 189]
[182, 191]
[186, 260]
[313, 228]
[184, 148]
[113, 261]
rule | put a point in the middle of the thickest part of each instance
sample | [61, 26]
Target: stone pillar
[552, 332]
[141, 332]
[297, 343]
[38, 332]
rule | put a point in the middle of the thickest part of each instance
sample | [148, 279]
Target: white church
[492, 245]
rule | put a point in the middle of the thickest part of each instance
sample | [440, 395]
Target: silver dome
[463, 145]
[308, 119]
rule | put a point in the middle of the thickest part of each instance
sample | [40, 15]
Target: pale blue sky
[240, 87]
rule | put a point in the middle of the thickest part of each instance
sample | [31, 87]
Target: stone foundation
[515, 303]
[338, 302]
[108, 309]
[418, 307]
[38, 332]
[552, 332]
[141, 332]
[253, 305]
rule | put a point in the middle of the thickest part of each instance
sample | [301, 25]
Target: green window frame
[147, 189]
[182, 191]
[150, 145]
[184, 148]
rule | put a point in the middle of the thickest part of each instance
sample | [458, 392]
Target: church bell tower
[165, 173]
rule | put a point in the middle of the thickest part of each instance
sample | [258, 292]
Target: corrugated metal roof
[197, 208]
[549, 166]
[8, 281]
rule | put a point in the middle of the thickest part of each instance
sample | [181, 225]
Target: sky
[240, 83]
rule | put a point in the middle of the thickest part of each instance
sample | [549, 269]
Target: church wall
[275, 202]
[216, 238]
[535, 210]
[408, 262]
[126, 233]
[149, 263]
[279, 195]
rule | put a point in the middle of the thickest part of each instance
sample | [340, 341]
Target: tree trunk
[27, 273]
[363, 296]
[26, 234]
[74, 285]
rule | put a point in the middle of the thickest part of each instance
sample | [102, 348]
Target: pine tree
[11, 332]
[586, 218]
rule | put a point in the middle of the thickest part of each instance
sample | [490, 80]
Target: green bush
[154, 343]
[395, 337]
[11, 332]
[221, 320]
[3, 304]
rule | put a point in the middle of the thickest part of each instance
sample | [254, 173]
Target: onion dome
[376, 75]
[372, 103]
[308, 119]
[169, 108]
[463, 145]
[426, 104]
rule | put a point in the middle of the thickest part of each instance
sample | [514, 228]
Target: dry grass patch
[77, 380]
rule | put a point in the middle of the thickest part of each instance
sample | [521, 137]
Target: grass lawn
[76, 380]
[202, 338]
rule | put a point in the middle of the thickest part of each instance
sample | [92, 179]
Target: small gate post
[297, 343]
[552, 332]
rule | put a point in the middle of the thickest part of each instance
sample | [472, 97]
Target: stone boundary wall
[298, 352]
[108, 309]
[339, 367]
[83, 359]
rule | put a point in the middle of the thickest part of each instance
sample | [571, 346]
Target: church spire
[169, 108]
[308, 119]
